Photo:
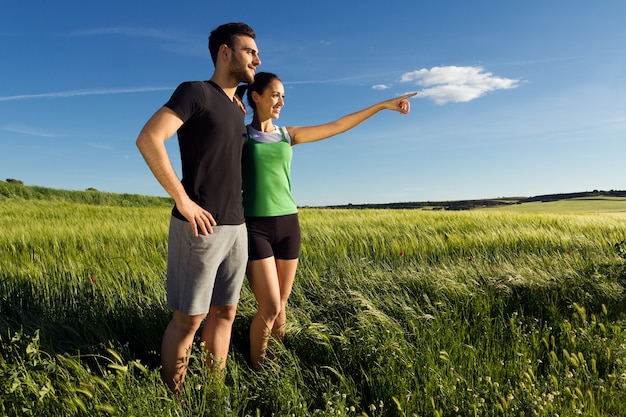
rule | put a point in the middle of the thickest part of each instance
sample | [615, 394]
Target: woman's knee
[271, 310]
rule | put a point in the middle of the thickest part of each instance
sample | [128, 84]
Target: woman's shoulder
[277, 135]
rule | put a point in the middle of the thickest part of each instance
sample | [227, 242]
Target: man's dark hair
[225, 34]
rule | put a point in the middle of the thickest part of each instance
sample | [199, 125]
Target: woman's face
[269, 104]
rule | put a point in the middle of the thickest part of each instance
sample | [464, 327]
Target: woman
[270, 210]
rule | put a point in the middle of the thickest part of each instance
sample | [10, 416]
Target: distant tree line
[472, 204]
[14, 181]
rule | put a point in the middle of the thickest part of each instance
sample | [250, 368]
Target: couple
[210, 249]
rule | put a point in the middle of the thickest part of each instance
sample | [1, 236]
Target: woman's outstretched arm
[304, 134]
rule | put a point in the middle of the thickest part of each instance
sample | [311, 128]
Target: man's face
[244, 59]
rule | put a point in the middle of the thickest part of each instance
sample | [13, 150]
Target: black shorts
[277, 236]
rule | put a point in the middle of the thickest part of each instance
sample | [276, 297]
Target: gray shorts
[205, 271]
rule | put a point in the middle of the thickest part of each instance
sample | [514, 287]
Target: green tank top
[266, 178]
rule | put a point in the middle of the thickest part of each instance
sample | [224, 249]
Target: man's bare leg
[175, 348]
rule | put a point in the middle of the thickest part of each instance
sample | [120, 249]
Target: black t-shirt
[210, 140]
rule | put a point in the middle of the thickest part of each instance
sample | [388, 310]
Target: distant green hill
[16, 190]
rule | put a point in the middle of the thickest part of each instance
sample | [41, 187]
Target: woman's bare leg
[286, 275]
[263, 278]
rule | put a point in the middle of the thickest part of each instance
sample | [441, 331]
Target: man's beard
[240, 71]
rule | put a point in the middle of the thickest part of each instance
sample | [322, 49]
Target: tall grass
[393, 313]
[443, 308]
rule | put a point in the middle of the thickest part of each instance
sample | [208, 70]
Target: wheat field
[393, 313]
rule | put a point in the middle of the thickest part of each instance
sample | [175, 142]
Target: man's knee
[185, 323]
[226, 313]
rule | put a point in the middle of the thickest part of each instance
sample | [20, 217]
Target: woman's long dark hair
[261, 81]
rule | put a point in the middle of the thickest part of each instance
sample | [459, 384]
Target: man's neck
[227, 84]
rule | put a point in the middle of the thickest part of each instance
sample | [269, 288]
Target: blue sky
[516, 98]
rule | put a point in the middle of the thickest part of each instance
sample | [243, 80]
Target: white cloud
[380, 87]
[132, 32]
[457, 84]
[76, 93]
[26, 130]
[100, 147]
[172, 42]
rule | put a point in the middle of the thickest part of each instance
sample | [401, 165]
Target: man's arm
[151, 143]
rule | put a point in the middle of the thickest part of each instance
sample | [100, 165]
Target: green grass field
[510, 312]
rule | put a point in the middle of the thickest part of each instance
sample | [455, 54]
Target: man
[207, 246]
